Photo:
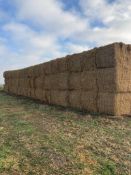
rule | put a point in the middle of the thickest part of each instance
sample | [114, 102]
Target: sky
[35, 31]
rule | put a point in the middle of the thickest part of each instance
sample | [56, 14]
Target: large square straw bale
[75, 81]
[74, 63]
[54, 66]
[114, 80]
[47, 83]
[106, 103]
[48, 96]
[59, 81]
[89, 101]
[39, 82]
[88, 60]
[40, 94]
[47, 68]
[88, 81]
[75, 99]
[59, 97]
[63, 64]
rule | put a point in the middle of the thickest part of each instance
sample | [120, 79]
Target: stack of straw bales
[98, 80]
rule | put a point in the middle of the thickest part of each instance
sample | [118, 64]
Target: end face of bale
[122, 104]
[123, 55]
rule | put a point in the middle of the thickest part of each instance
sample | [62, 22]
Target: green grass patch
[40, 139]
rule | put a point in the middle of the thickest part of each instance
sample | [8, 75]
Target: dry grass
[37, 139]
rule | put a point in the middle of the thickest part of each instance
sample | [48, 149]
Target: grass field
[37, 139]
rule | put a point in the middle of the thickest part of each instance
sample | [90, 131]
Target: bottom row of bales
[93, 101]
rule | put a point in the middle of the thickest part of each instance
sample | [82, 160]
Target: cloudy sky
[34, 31]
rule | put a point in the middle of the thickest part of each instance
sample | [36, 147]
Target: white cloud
[115, 17]
[49, 15]
[106, 12]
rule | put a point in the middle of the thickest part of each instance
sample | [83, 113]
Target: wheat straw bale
[48, 96]
[27, 80]
[25, 92]
[88, 100]
[114, 103]
[59, 81]
[24, 82]
[59, 97]
[106, 80]
[32, 82]
[74, 63]
[123, 55]
[39, 82]
[17, 74]
[75, 99]
[37, 70]
[63, 81]
[16, 83]
[122, 104]
[63, 64]
[40, 94]
[32, 93]
[47, 83]
[105, 56]
[5, 74]
[24, 73]
[46, 67]
[88, 81]
[75, 81]
[9, 74]
[30, 71]
[19, 91]
[123, 80]
[88, 60]
[106, 103]
[114, 80]
[28, 92]
[55, 66]
[116, 54]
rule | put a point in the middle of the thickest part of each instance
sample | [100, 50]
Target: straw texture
[98, 80]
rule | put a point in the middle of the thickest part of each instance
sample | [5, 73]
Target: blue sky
[35, 31]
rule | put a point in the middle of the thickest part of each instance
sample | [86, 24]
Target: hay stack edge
[98, 80]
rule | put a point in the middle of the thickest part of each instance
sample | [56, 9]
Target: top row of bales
[103, 57]
[71, 63]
